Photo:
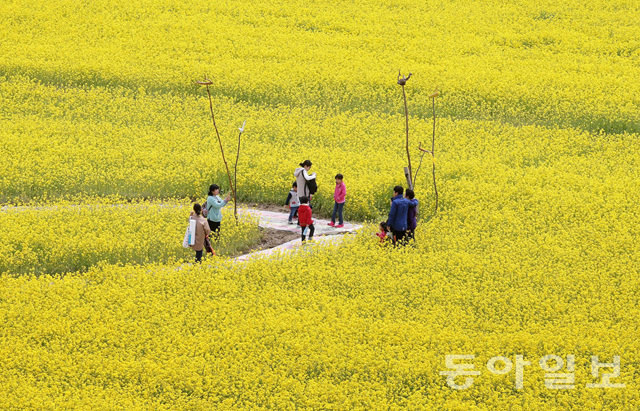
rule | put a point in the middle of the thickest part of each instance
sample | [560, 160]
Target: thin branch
[206, 82]
[433, 142]
[418, 169]
[423, 152]
[235, 174]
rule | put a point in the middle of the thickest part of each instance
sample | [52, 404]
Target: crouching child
[384, 235]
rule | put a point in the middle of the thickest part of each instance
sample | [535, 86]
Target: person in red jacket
[304, 219]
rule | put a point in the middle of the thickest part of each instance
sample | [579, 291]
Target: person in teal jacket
[214, 206]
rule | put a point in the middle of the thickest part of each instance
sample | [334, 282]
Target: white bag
[192, 232]
[187, 238]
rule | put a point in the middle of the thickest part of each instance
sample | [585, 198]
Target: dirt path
[273, 238]
[277, 225]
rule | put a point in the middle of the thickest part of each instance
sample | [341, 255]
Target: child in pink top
[339, 196]
[384, 234]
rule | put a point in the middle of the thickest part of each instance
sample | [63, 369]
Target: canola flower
[66, 238]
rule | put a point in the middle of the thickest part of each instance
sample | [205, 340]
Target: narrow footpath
[324, 234]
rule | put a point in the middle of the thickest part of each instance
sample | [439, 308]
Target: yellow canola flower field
[534, 250]
[63, 238]
[103, 142]
[573, 63]
[325, 331]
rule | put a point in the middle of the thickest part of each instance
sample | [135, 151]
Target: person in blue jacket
[397, 220]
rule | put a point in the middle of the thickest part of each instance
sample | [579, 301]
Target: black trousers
[215, 228]
[399, 237]
[312, 229]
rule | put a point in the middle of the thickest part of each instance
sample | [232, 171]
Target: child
[214, 205]
[293, 202]
[384, 233]
[412, 214]
[304, 219]
[338, 196]
[202, 231]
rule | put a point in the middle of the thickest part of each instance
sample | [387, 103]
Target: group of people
[400, 225]
[299, 200]
[398, 229]
[402, 221]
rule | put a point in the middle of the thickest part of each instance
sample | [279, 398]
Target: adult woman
[214, 205]
[202, 231]
[302, 177]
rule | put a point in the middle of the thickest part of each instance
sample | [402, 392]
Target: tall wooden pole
[207, 83]
[402, 81]
[406, 119]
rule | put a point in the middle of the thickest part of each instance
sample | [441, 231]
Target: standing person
[306, 182]
[397, 220]
[214, 205]
[304, 218]
[412, 214]
[339, 195]
[202, 231]
[293, 202]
